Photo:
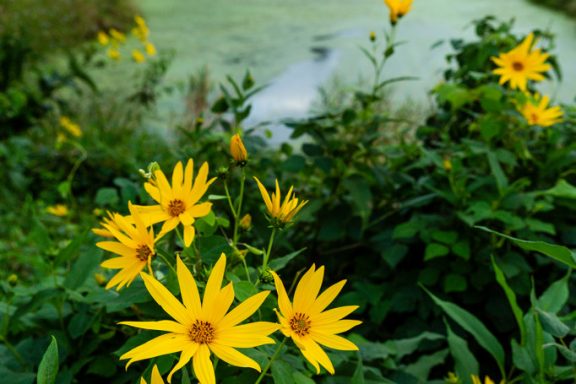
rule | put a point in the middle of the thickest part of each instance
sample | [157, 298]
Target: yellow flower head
[113, 53]
[178, 203]
[135, 246]
[536, 111]
[58, 210]
[280, 214]
[117, 36]
[105, 223]
[308, 324]
[521, 64]
[487, 380]
[398, 8]
[103, 38]
[71, 127]
[202, 327]
[246, 221]
[141, 30]
[155, 378]
[138, 56]
[237, 150]
[150, 49]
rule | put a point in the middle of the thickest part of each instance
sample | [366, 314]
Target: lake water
[279, 41]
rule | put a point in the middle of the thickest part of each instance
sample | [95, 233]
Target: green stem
[163, 257]
[267, 255]
[269, 364]
[246, 270]
[239, 210]
[230, 201]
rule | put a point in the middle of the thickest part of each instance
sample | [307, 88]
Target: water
[279, 42]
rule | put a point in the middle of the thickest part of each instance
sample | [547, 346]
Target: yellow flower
[202, 327]
[452, 378]
[447, 164]
[308, 324]
[139, 20]
[178, 203]
[155, 378]
[536, 111]
[135, 246]
[58, 210]
[105, 223]
[246, 221]
[103, 38]
[150, 49]
[13, 279]
[117, 35]
[398, 8]
[71, 127]
[280, 213]
[237, 150]
[113, 53]
[141, 30]
[521, 64]
[138, 56]
[487, 380]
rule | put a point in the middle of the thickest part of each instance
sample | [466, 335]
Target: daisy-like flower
[138, 56]
[280, 213]
[398, 8]
[150, 49]
[521, 64]
[237, 150]
[308, 324]
[536, 111]
[135, 246]
[58, 210]
[178, 203]
[487, 380]
[155, 378]
[103, 38]
[202, 327]
[106, 221]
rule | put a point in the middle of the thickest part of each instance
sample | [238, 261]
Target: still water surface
[296, 46]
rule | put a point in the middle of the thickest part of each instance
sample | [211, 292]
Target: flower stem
[269, 364]
[239, 210]
[230, 200]
[267, 255]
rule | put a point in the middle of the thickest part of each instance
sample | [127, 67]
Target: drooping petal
[233, 357]
[203, 368]
[311, 349]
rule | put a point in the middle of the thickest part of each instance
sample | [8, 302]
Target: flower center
[300, 324]
[534, 118]
[517, 66]
[176, 207]
[143, 252]
[201, 332]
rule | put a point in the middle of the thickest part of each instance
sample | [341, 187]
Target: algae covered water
[298, 45]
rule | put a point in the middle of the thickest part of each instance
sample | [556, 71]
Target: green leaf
[454, 283]
[522, 358]
[556, 296]
[511, 296]
[462, 249]
[552, 324]
[83, 268]
[444, 237]
[300, 378]
[464, 361]
[498, 173]
[282, 372]
[556, 252]
[562, 189]
[48, 368]
[107, 196]
[244, 289]
[434, 250]
[472, 325]
[358, 376]
[407, 230]
[281, 262]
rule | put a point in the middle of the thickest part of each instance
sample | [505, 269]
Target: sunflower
[398, 8]
[202, 327]
[536, 111]
[280, 214]
[308, 324]
[155, 378]
[178, 203]
[135, 246]
[521, 64]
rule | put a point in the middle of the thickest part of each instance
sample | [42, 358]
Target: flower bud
[238, 151]
[246, 221]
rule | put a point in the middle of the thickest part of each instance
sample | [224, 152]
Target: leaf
[244, 289]
[300, 378]
[498, 173]
[358, 376]
[556, 296]
[434, 250]
[107, 196]
[454, 283]
[511, 296]
[282, 372]
[48, 368]
[552, 324]
[464, 361]
[556, 252]
[522, 358]
[562, 189]
[83, 267]
[281, 262]
[472, 325]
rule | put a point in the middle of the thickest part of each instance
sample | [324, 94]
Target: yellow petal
[247, 335]
[311, 349]
[166, 300]
[221, 304]
[164, 187]
[333, 341]
[336, 327]
[156, 378]
[161, 345]
[153, 191]
[326, 298]
[188, 174]
[333, 315]
[283, 300]
[244, 310]
[265, 195]
[203, 368]
[213, 285]
[117, 248]
[161, 325]
[188, 289]
[307, 289]
[200, 185]
[200, 210]
[185, 357]
[189, 233]
[119, 262]
[233, 357]
[177, 176]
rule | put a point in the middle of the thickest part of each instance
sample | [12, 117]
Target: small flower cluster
[114, 39]
[517, 67]
[202, 326]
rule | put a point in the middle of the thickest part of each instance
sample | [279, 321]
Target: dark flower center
[143, 252]
[176, 207]
[300, 324]
[517, 66]
[201, 332]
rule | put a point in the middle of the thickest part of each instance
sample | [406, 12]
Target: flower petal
[244, 310]
[161, 345]
[334, 341]
[166, 300]
[214, 285]
[188, 289]
[185, 357]
[233, 357]
[203, 368]
[284, 303]
[161, 325]
[247, 335]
